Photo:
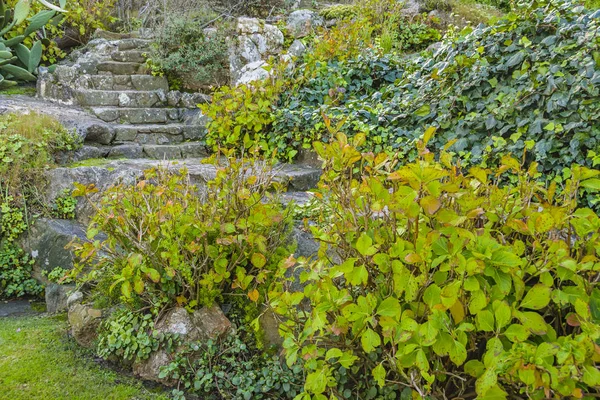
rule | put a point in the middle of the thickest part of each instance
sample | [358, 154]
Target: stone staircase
[132, 113]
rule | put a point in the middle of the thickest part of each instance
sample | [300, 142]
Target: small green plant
[240, 117]
[232, 369]
[437, 282]
[15, 273]
[64, 206]
[58, 275]
[129, 336]
[13, 221]
[188, 55]
[166, 245]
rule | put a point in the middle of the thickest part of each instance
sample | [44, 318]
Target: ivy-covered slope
[529, 81]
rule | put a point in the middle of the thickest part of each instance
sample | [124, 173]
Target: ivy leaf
[537, 297]
[253, 295]
[358, 275]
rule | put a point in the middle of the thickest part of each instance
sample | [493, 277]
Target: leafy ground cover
[39, 361]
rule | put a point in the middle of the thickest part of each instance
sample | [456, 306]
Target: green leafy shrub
[232, 369]
[129, 336]
[241, 115]
[436, 283]
[167, 245]
[15, 273]
[64, 206]
[189, 56]
[340, 11]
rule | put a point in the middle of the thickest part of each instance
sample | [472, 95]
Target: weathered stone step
[123, 82]
[122, 68]
[130, 56]
[140, 115]
[158, 134]
[133, 44]
[122, 98]
[158, 151]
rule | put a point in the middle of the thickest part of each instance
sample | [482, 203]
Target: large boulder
[46, 241]
[84, 321]
[302, 23]
[204, 324]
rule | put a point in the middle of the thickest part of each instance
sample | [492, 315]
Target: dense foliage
[166, 244]
[445, 282]
[189, 54]
[232, 368]
[530, 80]
[28, 143]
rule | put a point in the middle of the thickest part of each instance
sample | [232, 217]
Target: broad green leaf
[485, 321]
[502, 313]
[258, 260]
[379, 375]
[390, 307]
[536, 297]
[370, 340]
[516, 333]
[364, 245]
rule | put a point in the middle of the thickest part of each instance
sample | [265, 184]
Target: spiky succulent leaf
[18, 72]
[39, 20]
[35, 56]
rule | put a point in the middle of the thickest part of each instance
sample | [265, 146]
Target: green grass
[19, 90]
[39, 361]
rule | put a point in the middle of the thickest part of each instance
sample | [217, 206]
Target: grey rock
[247, 25]
[297, 49]
[162, 152]
[56, 297]
[46, 241]
[84, 321]
[126, 151]
[247, 50]
[260, 42]
[252, 72]
[301, 23]
[149, 82]
[203, 324]
[75, 297]
[274, 38]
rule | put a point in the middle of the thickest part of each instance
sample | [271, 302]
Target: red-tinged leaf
[573, 319]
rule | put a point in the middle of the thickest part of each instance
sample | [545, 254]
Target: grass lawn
[39, 361]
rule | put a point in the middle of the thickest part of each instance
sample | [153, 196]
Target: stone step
[158, 134]
[158, 151]
[122, 98]
[122, 68]
[133, 44]
[130, 56]
[123, 82]
[122, 115]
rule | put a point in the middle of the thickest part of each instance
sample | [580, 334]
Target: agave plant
[17, 62]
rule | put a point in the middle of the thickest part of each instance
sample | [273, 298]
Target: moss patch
[19, 90]
[39, 361]
[93, 162]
